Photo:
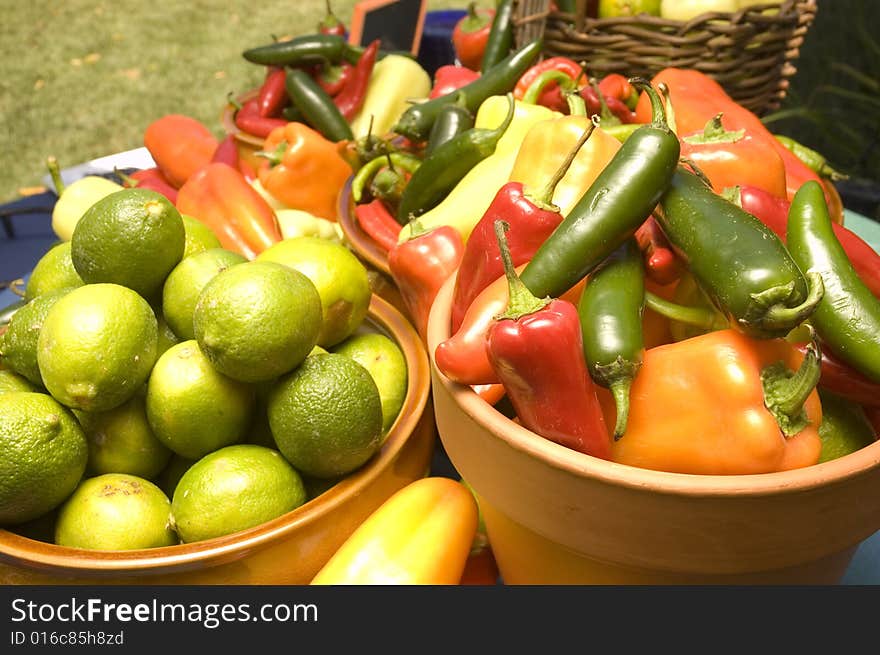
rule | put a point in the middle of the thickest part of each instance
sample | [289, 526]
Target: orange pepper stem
[521, 301]
[714, 132]
[699, 317]
[785, 392]
[55, 173]
[770, 309]
[543, 198]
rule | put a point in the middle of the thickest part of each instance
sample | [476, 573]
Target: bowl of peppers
[666, 427]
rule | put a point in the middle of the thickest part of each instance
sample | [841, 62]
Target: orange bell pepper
[303, 170]
[421, 535]
[698, 406]
[221, 198]
[697, 98]
[180, 146]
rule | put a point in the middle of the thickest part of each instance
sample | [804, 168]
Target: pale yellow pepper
[471, 197]
[395, 82]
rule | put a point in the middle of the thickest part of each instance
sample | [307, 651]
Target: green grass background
[81, 79]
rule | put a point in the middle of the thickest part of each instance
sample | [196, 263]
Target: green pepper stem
[700, 317]
[785, 393]
[274, 156]
[658, 113]
[55, 173]
[715, 132]
[521, 301]
[576, 104]
[667, 103]
[537, 86]
[780, 317]
[543, 198]
[621, 132]
[607, 116]
[230, 98]
[620, 391]
[124, 178]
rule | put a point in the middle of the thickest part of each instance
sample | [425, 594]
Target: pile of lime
[156, 388]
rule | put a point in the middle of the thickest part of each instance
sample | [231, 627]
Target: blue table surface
[33, 236]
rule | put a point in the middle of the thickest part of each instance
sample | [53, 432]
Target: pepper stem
[55, 173]
[608, 117]
[714, 132]
[699, 317]
[667, 102]
[774, 315]
[274, 156]
[620, 391]
[658, 113]
[543, 198]
[537, 86]
[126, 179]
[785, 392]
[576, 104]
[521, 301]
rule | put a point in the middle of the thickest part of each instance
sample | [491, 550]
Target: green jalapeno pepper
[306, 49]
[610, 311]
[416, 122]
[500, 39]
[445, 167]
[612, 209]
[844, 429]
[847, 319]
[451, 121]
[739, 262]
[317, 107]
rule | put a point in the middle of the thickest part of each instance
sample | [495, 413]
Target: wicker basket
[751, 53]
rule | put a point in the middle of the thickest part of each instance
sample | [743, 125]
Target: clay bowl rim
[363, 244]
[624, 475]
[19, 550]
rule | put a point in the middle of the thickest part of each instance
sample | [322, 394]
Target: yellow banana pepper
[395, 82]
[471, 197]
[545, 147]
[421, 535]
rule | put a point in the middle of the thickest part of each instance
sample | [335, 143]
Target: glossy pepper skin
[420, 535]
[535, 347]
[618, 201]
[773, 212]
[470, 35]
[180, 146]
[306, 49]
[450, 78]
[351, 98]
[738, 261]
[149, 178]
[334, 77]
[500, 39]
[549, 94]
[303, 170]
[247, 119]
[532, 217]
[220, 197]
[843, 380]
[847, 319]
[845, 427]
[420, 266]
[451, 121]
[317, 106]
[378, 223]
[698, 406]
[272, 96]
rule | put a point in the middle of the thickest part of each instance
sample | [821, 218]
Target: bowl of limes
[174, 413]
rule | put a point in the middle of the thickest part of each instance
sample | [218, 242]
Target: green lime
[186, 281]
[115, 511]
[384, 359]
[192, 408]
[171, 474]
[198, 236]
[54, 270]
[339, 276]
[121, 441]
[18, 345]
[97, 346]
[12, 381]
[43, 454]
[257, 320]
[844, 429]
[232, 489]
[326, 416]
[133, 237]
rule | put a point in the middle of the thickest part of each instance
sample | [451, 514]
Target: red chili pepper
[450, 78]
[533, 217]
[840, 378]
[351, 98]
[470, 35]
[773, 212]
[615, 85]
[227, 152]
[536, 348]
[272, 96]
[609, 108]
[562, 64]
[333, 79]
[661, 263]
[248, 119]
[149, 178]
[378, 223]
[420, 266]
[330, 24]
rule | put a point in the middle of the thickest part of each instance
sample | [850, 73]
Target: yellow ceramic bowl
[287, 550]
[556, 516]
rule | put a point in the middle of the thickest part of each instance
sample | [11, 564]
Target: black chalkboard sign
[397, 23]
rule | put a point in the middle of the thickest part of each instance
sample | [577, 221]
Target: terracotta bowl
[247, 144]
[556, 516]
[368, 250]
[287, 550]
